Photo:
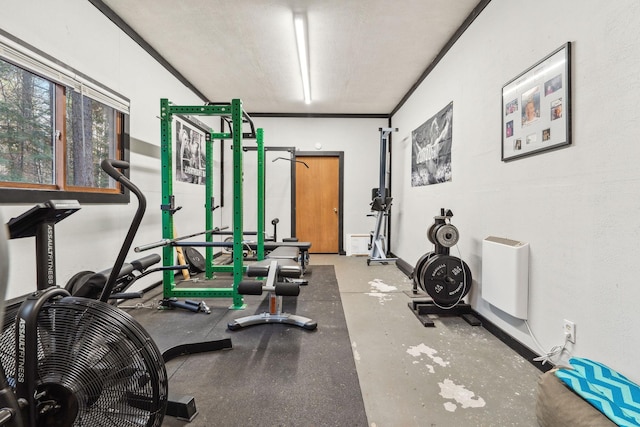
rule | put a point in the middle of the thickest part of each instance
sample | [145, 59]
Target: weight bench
[276, 270]
[269, 247]
[286, 248]
[88, 284]
[291, 253]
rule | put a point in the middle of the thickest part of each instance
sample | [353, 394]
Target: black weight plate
[431, 233]
[194, 259]
[417, 271]
[447, 279]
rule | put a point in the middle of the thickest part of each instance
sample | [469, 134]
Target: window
[56, 127]
[91, 136]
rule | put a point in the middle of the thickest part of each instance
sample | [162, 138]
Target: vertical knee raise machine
[381, 206]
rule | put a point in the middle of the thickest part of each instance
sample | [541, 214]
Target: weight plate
[430, 233]
[194, 259]
[447, 235]
[417, 271]
[447, 279]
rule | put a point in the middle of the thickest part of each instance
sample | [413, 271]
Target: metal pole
[238, 259]
[261, 192]
[383, 162]
[209, 204]
[166, 157]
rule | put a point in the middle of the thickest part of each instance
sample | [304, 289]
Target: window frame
[36, 193]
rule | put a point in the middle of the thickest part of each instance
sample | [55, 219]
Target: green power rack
[233, 113]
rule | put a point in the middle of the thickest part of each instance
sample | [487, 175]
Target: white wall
[578, 207]
[80, 36]
[358, 138]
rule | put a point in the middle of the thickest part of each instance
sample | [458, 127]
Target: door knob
[335, 210]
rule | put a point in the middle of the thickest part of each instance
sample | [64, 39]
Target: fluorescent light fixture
[299, 23]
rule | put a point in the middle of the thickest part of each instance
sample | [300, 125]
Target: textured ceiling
[365, 55]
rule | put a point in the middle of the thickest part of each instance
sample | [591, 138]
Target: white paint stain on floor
[380, 290]
[356, 355]
[419, 349]
[465, 398]
[450, 406]
[382, 297]
[380, 286]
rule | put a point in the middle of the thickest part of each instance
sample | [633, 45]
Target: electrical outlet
[569, 329]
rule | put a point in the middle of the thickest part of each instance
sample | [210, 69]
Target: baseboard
[511, 342]
[403, 266]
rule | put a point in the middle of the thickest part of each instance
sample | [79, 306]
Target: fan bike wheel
[97, 366]
[445, 278]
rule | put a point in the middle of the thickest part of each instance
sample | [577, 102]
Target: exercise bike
[68, 360]
[9, 408]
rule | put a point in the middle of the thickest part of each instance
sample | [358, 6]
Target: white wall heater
[358, 244]
[505, 275]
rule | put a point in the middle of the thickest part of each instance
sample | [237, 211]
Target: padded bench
[291, 249]
[284, 252]
[287, 257]
[269, 247]
[276, 271]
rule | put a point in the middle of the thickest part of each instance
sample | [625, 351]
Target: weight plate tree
[445, 278]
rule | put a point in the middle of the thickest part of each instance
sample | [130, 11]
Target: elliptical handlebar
[111, 166]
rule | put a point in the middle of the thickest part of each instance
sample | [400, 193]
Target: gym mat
[275, 374]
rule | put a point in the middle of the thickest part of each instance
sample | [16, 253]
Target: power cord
[553, 352]
[547, 356]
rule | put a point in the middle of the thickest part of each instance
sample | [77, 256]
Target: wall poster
[536, 113]
[190, 153]
[431, 153]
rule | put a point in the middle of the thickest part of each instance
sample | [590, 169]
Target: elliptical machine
[445, 278]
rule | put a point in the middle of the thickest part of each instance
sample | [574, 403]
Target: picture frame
[536, 107]
[190, 156]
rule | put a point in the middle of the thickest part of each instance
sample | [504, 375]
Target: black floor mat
[275, 374]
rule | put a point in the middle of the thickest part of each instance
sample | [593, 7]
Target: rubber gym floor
[387, 369]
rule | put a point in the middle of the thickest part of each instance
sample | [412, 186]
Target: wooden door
[318, 202]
